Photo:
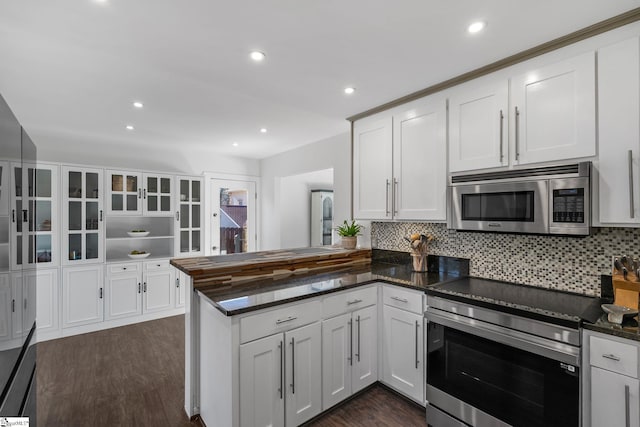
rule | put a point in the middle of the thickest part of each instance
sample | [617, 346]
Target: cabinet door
[403, 352]
[157, 195]
[189, 213]
[24, 292]
[4, 188]
[47, 305]
[364, 371]
[124, 195]
[554, 112]
[158, 290]
[303, 374]
[420, 160]
[478, 116]
[610, 393]
[82, 215]
[82, 295]
[124, 295]
[181, 284]
[5, 307]
[619, 132]
[372, 168]
[337, 354]
[262, 382]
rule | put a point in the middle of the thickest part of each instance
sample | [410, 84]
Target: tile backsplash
[571, 264]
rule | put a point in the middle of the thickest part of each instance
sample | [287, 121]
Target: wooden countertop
[229, 271]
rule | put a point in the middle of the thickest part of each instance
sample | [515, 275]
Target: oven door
[514, 207]
[480, 379]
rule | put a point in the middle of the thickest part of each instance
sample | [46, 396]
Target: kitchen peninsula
[301, 326]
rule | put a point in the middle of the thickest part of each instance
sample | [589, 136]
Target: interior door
[233, 217]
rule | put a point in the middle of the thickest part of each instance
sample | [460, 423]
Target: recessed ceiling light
[257, 56]
[263, 130]
[129, 127]
[138, 104]
[100, 1]
[476, 27]
[349, 90]
[235, 144]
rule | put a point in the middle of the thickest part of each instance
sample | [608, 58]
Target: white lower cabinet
[181, 285]
[611, 393]
[403, 340]
[44, 285]
[349, 354]
[82, 295]
[281, 368]
[5, 307]
[47, 304]
[158, 291]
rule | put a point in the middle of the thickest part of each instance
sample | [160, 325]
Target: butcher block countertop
[228, 271]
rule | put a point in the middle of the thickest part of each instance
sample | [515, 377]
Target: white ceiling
[70, 69]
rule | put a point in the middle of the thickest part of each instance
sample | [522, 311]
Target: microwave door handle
[631, 201]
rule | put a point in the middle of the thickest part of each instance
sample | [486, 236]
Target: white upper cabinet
[157, 195]
[478, 125]
[419, 160]
[372, 168]
[125, 193]
[554, 112]
[189, 215]
[619, 132]
[399, 164]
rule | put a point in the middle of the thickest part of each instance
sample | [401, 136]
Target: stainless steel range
[488, 367]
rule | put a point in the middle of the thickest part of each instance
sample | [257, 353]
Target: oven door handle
[530, 343]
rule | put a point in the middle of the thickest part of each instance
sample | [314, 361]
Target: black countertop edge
[628, 330]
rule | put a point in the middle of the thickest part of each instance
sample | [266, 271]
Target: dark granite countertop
[628, 329]
[547, 305]
[387, 266]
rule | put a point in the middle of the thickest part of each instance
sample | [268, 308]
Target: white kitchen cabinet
[372, 167]
[157, 195]
[619, 132]
[123, 290]
[47, 300]
[553, 111]
[403, 341]
[158, 290]
[4, 188]
[181, 285]
[400, 163]
[478, 119]
[82, 213]
[615, 399]
[5, 307]
[349, 348]
[282, 367]
[24, 288]
[124, 195]
[189, 214]
[82, 295]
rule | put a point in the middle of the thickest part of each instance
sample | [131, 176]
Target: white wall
[295, 206]
[335, 153]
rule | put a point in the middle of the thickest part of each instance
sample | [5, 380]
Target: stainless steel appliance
[545, 200]
[490, 368]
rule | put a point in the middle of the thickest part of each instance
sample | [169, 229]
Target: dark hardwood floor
[134, 376]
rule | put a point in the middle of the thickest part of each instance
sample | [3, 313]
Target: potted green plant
[349, 234]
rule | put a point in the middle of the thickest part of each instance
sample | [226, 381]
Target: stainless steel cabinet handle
[501, 136]
[293, 366]
[100, 215]
[13, 215]
[13, 305]
[386, 207]
[281, 370]
[399, 299]
[631, 202]
[144, 287]
[517, 134]
[417, 331]
[177, 215]
[355, 301]
[611, 357]
[627, 415]
[177, 283]
[139, 288]
[351, 341]
[288, 319]
[395, 196]
[100, 293]
[358, 353]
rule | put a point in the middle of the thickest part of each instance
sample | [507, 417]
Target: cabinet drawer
[403, 298]
[123, 268]
[345, 301]
[161, 264]
[282, 319]
[614, 356]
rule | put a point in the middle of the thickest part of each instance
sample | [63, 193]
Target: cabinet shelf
[151, 257]
[139, 238]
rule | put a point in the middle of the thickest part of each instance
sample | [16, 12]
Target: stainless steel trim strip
[541, 346]
[437, 418]
[511, 321]
[461, 410]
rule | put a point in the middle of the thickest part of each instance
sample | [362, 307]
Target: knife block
[626, 292]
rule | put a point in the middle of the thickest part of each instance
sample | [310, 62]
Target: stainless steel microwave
[545, 200]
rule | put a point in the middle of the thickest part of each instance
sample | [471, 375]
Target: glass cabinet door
[157, 194]
[33, 215]
[189, 217]
[4, 188]
[125, 193]
[82, 215]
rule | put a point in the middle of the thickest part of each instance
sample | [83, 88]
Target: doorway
[233, 216]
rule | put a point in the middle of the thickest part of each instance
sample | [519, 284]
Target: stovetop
[562, 308]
